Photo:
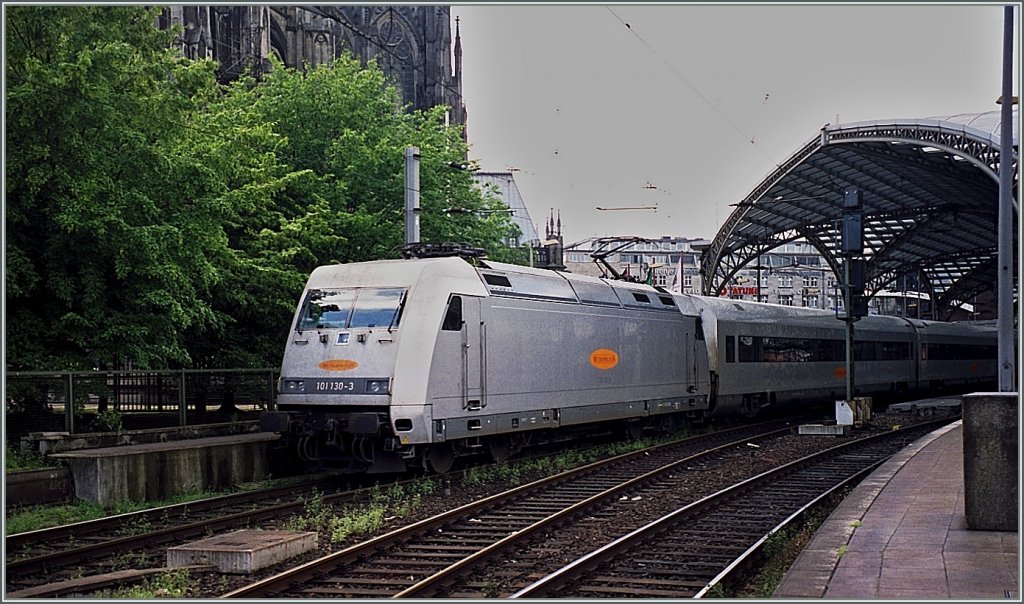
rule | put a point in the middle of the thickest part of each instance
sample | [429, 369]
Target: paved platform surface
[902, 534]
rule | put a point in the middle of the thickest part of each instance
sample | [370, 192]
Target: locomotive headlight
[377, 386]
[294, 386]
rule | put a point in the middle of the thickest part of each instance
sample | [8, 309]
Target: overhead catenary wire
[746, 137]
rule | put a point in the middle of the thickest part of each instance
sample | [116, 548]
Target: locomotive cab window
[453, 316]
[377, 308]
[351, 307]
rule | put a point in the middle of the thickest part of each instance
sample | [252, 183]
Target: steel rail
[733, 568]
[551, 583]
[76, 555]
[108, 523]
[325, 565]
[428, 587]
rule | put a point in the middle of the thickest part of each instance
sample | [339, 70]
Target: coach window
[748, 349]
[453, 316]
[730, 349]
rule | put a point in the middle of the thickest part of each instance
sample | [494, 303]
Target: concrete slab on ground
[242, 551]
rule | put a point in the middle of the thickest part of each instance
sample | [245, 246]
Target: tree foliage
[158, 218]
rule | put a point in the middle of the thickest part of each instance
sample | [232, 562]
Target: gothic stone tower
[411, 44]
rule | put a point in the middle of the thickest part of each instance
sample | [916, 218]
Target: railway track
[688, 552]
[49, 556]
[453, 555]
[72, 559]
[424, 559]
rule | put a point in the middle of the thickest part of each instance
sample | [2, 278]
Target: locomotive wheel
[500, 448]
[633, 430]
[670, 423]
[440, 458]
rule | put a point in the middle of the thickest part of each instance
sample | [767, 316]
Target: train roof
[454, 273]
[725, 309]
[526, 282]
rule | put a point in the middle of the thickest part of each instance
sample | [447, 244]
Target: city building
[793, 274]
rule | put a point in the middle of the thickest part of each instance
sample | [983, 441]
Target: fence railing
[90, 398]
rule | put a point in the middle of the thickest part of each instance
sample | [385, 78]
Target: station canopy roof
[930, 190]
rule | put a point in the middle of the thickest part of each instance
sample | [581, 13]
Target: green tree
[343, 136]
[116, 196]
[343, 123]
[156, 217]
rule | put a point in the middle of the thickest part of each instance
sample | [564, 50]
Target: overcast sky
[690, 107]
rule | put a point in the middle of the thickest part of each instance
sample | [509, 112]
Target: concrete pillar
[991, 498]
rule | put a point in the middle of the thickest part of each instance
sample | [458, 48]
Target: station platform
[902, 534]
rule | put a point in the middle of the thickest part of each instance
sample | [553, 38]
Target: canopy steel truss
[930, 190]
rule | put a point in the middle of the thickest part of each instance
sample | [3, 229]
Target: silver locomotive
[412, 363]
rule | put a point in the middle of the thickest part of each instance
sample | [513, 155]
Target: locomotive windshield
[352, 307]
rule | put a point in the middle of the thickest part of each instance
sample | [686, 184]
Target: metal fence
[97, 401]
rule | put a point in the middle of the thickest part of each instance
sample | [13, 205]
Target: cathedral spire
[459, 103]
[458, 57]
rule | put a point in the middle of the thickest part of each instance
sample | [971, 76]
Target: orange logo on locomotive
[840, 373]
[338, 365]
[604, 358]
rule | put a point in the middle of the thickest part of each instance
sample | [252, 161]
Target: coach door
[693, 369]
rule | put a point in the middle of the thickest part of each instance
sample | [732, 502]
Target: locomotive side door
[464, 316]
[474, 355]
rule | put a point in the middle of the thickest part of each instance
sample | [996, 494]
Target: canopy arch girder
[930, 194]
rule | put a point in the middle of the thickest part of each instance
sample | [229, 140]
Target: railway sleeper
[693, 568]
[349, 592]
[642, 581]
[441, 547]
[625, 591]
[402, 561]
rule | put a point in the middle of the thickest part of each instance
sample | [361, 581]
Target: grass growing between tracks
[169, 584]
[385, 504]
[514, 470]
[39, 517]
[780, 551]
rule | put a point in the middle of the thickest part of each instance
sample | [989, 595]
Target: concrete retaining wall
[161, 470]
[36, 487]
[45, 443]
